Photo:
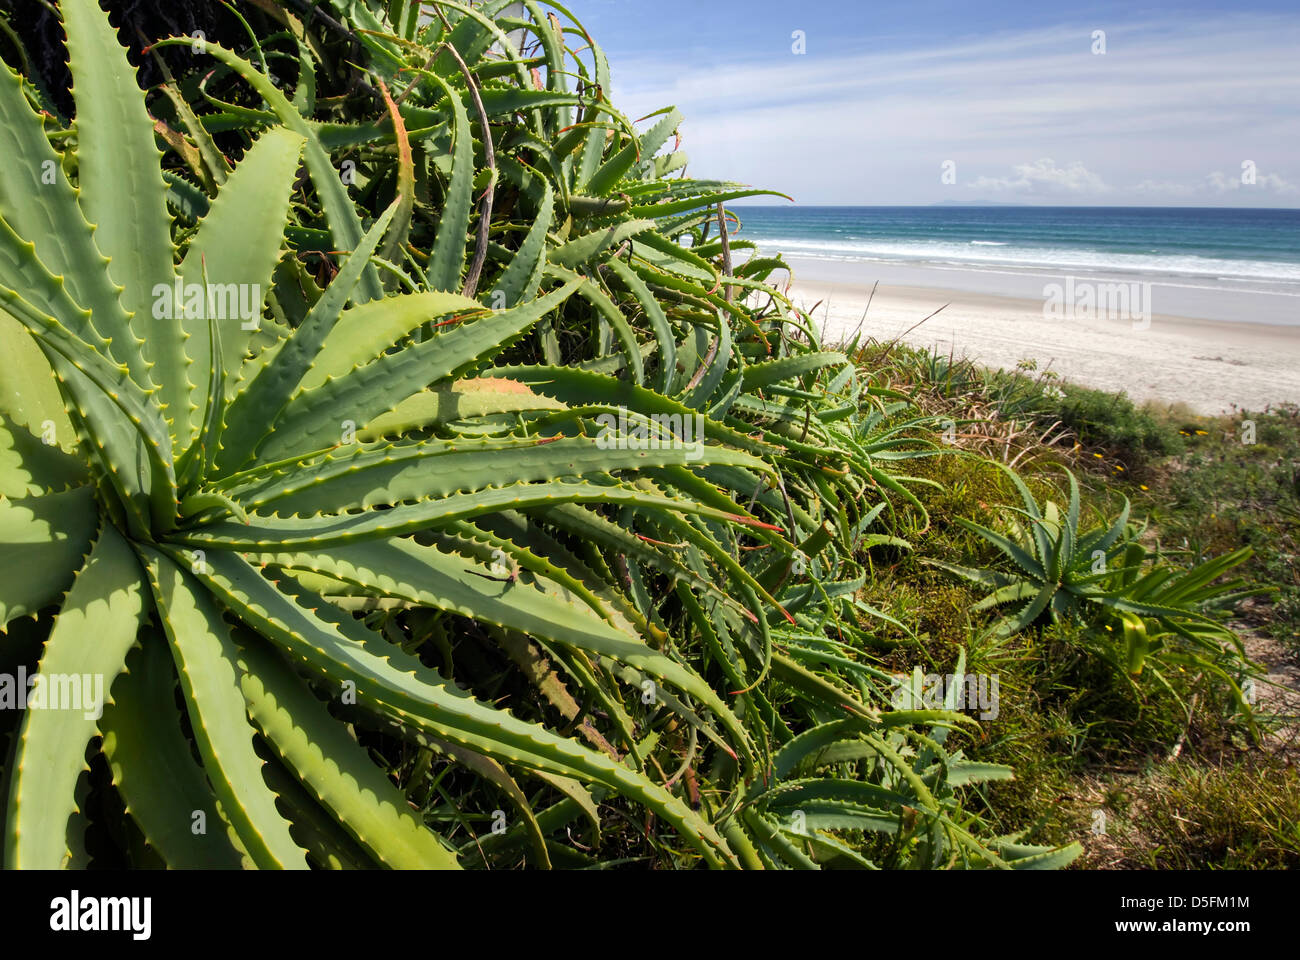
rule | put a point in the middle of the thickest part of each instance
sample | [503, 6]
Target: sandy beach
[1207, 365]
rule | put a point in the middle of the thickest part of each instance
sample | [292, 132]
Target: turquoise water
[1256, 247]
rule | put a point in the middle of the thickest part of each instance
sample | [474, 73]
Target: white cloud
[1218, 182]
[1044, 177]
[1141, 123]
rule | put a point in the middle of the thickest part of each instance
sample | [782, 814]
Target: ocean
[1222, 263]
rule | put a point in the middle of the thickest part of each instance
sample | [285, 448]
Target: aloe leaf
[790, 795]
[393, 473]
[523, 276]
[400, 230]
[28, 391]
[1030, 612]
[844, 815]
[153, 767]
[113, 447]
[31, 466]
[593, 147]
[79, 365]
[671, 208]
[658, 323]
[214, 167]
[804, 749]
[1008, 594]
[1116, 530]
[365, 331]
[447, 260]
[610, 312]
[1160, 611]
[779, 842]
[87, 648]
[458, 400]
[1185, 587]
[206, 659]
[123, 193]
[316, 829]
[552, 40]
[46, 539]
[657, 136]
[335, 768]
[234, 254]
[197, 462]
[700, 391]
[313, 418]
[604, 180]
[1023, 558]
[254, 410]
[404, 569]
[292, 533]
[578, 388]
[1039, 533]
[403, 690]
[591, 526]
[788, 368]
[344, 222]
[32, 291]
[673, 262]
[45, 211]
[589, 246]
[1022, 857]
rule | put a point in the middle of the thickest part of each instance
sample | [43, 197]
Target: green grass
[1099, 420]
[1077, 736]
[1240, 816]
[1223, 492]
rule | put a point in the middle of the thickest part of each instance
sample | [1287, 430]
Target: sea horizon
[1237, 264]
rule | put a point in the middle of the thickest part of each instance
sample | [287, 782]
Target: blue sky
[1190, 103]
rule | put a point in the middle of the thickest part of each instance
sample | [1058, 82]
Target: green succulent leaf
[206, 661]
[96, 627]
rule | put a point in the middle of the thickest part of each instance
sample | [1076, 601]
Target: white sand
[1207, 365]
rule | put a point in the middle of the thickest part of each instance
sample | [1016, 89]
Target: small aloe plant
[1073, 574]
[1134, 605]
[1058, 570]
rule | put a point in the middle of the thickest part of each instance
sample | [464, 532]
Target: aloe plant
[348, 521]
[1133, 604]
[1059, 570]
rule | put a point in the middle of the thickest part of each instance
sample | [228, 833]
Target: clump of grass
[1130, 433]
[1224, 493]
[1020, 415]
[1242, 816]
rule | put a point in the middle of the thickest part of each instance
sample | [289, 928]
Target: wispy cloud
[1044, 178]
[1166, 101]
[1262, 183]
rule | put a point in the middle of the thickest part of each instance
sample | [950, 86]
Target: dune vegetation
[433, 475]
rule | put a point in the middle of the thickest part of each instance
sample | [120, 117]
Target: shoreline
[1205, 365]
